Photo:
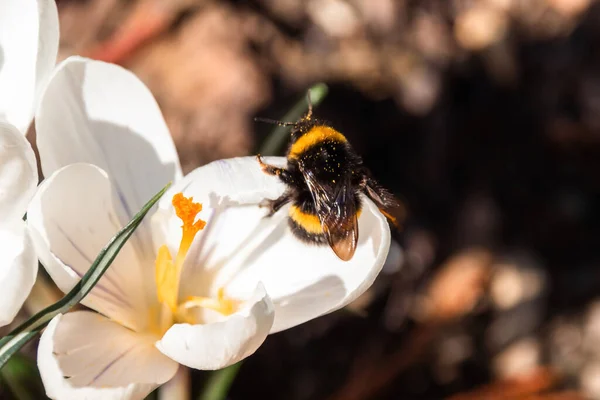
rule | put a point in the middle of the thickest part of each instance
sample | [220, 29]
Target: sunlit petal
[18, 173]
[83, 355]
[215, 345]
[71, 218]
[240, 247]
[102, 114]
[28, 48]
[18, 269]
[218, 185]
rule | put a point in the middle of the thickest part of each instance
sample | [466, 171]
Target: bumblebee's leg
[282, 173]
[276, 204]
[383, 199]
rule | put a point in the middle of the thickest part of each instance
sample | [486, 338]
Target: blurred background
[483, 116]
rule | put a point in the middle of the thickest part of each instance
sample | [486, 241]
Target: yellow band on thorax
[315, 135]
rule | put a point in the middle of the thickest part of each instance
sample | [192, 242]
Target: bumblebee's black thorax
[325, 152]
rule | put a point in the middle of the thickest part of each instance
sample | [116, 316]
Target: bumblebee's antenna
[274, 122]
[310, 106]
[281, 123]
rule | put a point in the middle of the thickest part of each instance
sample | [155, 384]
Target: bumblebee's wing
[336, 208]
[341, 225]
[386, 202]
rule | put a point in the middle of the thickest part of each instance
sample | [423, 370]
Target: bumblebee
[324, 178]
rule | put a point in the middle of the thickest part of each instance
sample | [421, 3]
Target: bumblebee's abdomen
[309, 221]
[305, 223]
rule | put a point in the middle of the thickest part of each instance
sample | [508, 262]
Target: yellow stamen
[167, 272]
[166, 281]
[221, 304]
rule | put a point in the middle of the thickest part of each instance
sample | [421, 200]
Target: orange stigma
[187, 210]
[168, 272]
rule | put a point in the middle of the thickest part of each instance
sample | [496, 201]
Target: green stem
[219, 383]
[21, 378]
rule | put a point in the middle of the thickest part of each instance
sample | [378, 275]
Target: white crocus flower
[28, 47]
[181, 291]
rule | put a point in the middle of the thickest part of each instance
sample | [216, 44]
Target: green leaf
[277, 140]
[11, 343]
[219, 383]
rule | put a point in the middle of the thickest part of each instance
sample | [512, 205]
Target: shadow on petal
[320, 298]
[101, 114]
[136, 172]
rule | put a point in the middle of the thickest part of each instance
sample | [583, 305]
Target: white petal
[28, 48]
[239, 247]
[18, 269]
[102, 114]
[83, 355]
[217, 185]
[308, 281]
[18, 173]
[71, 218]
[232, 181]
[220, 344]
